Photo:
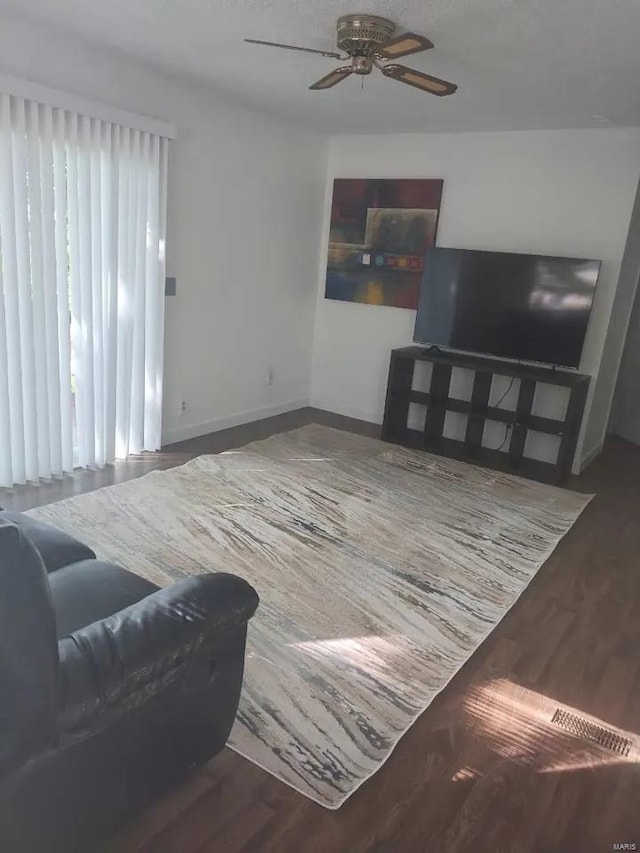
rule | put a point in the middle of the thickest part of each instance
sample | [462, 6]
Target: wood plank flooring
[482, 769]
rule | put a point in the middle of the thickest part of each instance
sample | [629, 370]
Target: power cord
[507, 427]
[507, 433]
[509, 387]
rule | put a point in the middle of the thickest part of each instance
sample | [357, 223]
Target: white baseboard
[588, 457]
[182, 433]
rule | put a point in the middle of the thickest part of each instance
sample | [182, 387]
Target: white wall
[625, 411]
[245, 234]
[548, 192]
[245, 208]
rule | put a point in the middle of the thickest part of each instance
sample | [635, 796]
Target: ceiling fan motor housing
[360, 35]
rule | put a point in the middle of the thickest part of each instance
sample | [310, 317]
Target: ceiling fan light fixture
[362, 64]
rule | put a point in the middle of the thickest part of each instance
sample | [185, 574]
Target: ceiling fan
[369, 41]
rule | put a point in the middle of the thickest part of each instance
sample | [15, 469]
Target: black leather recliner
[111, 689]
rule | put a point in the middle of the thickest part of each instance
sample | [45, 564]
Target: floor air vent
[589, 731]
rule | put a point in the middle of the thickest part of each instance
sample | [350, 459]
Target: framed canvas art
[380, 230]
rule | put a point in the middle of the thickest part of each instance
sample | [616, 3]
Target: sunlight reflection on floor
[516, 723]
[370, 653]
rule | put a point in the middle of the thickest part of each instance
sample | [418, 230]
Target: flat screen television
[525, 307]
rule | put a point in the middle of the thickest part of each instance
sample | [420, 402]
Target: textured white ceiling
[519, 64]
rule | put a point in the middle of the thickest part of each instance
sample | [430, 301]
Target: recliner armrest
[121, 661]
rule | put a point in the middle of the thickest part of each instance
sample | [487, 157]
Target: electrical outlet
[183, 407]
[268, 380]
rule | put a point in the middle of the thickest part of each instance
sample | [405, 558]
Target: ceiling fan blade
[328, 53]
[332, 78]
[425, 82]
[403, 45]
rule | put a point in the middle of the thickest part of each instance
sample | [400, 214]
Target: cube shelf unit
[438, 401]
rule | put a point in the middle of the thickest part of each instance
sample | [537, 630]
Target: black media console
[438, 401]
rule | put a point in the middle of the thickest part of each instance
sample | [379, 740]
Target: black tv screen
[527, 307]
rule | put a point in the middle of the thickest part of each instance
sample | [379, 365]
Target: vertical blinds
[82, 244]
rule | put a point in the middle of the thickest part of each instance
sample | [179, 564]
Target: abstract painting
[380, 230]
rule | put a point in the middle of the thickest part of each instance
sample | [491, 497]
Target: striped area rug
[380, 571]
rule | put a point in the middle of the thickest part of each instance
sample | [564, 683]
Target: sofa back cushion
[56, 548]
[28, 651]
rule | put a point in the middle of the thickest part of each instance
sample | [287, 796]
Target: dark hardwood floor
[482, 769]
